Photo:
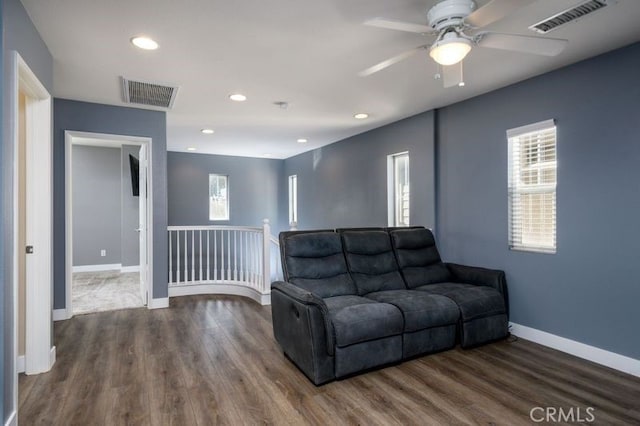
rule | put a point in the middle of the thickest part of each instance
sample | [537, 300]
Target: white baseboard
[97, 268]
[230, 289]
[13, 419]
[20, 364]
[132, 268]
[61, 314]
[581, 350]
[159, 303]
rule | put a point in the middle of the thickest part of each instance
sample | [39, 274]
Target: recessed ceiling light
[303, 140]
[361, 116]
[461, 84]
[191, 148]
[238, 97]
[207, 131]
[144, 43]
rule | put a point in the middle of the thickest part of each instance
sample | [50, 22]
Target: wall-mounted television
[134, 164]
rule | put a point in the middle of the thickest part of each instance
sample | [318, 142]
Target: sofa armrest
[481, 276]
[297, 293]
[310, 302]
[302, 327]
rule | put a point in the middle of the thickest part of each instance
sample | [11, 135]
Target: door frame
[118, 140]
[40, 354]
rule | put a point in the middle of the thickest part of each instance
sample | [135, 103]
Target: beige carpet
[105, 291]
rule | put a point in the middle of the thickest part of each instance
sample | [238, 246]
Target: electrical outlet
[103, 253]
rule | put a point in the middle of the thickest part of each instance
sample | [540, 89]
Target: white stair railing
[238, 260]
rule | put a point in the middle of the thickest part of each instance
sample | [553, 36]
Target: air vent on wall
[148, 93]
[577, 11]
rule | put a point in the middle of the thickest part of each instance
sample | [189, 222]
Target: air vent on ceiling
[577, 11]
[148, 93]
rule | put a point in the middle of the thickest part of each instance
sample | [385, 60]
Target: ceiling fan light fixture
[450, 50]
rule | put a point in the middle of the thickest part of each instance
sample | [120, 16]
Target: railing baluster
[266, 258]
[170, 260]
[215, 255]
[242, 234]
[178, 257]
[208, 258]
[193, 256]
[222, 254]
[235, 255]
[250, 257]
[229, 255]
[255, 259]
[200, 252]
[186, 261]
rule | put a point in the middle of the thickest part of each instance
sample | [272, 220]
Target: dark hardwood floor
[213, 360]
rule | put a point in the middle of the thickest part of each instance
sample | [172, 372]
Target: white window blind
[293, 200]
[532, 187]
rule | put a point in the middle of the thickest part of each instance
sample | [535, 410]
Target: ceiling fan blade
[519, 43]
[452, 75]
[387, 63]
[493, 11]
[399, 26]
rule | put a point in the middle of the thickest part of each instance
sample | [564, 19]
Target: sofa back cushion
[315, 261]
[418, 257]
[371, 261]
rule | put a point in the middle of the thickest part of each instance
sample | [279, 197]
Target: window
[532, 187]
[398, 189]
[293, 200]
[218, 197]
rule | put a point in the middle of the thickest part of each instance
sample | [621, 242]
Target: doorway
[108, 222]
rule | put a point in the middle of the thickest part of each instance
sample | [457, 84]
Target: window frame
[293, 200]
[393, 200]
[227, 198]
[518, 238]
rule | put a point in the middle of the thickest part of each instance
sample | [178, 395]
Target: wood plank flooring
[213, 360]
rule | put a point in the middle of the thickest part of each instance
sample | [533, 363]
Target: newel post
[266, 256]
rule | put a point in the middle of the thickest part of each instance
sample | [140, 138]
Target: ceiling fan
[456, 26]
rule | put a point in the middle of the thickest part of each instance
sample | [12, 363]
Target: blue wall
[97, 118]
[345, 184]
[253, 189]
[21, 35]
[18, 34]
[97, 199]
[589, 290]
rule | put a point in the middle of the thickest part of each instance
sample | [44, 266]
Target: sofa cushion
[418, 257]
[473, 301]
[315, 262]
[420, 309]
[357, 319]
[444, 288]
[336, 303]
[371, 261]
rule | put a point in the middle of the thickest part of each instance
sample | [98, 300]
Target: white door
[142, 227]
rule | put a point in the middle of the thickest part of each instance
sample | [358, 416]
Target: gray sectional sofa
[357, 299]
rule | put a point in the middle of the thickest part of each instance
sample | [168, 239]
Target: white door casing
[103, 139]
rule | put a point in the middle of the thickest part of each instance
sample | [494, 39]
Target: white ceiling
[304, 52]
